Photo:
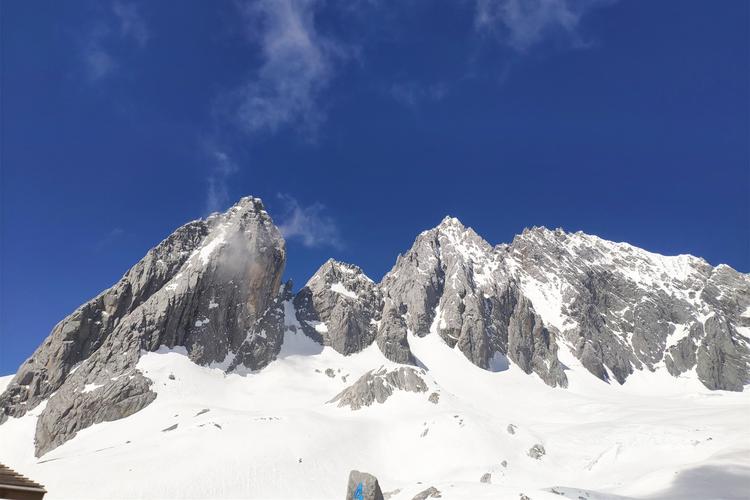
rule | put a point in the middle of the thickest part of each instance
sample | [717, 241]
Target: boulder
[363, 486]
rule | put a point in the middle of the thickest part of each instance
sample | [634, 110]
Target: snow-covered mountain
[556, 361]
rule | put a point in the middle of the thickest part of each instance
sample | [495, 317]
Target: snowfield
[272, 434]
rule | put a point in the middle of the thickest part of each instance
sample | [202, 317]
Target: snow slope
[271, 434]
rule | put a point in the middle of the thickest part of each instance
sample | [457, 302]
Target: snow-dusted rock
[454, 284]
[620, 308]
[537, 451]
[377, 386]
[430, 492]
[339, 307]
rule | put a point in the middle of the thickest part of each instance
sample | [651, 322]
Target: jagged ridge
[213, 287]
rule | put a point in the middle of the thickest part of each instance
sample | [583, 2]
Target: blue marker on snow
[358, 493]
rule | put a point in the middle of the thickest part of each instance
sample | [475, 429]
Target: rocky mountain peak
[452, 231]
[540, 235]
[450, 222]
[339, 307]
[446, 250]
[213, 287]
[452, 283]
[334, 271]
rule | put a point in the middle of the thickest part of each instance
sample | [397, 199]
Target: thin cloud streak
[411, 93]
[308, 224]
[132, 25]
[217, 189]
[98, 61]
[298, 64]
[124, 25]
[525, 23]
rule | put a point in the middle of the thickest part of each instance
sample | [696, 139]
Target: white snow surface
[340, 288]
[271, 435]
[319, 326]
[209, 248]
[91, 387]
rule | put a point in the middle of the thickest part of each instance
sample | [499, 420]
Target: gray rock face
[68, 411]
[721, 358]
[443, 271]
[430, 492]
[377, 386]
[213, 286]
[339, 307]
[363, 486]
[82, 333]
[619, 308]
[532, 346]
[392, 334]
[453, 283]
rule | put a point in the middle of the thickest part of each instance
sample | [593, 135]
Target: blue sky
[361, 123]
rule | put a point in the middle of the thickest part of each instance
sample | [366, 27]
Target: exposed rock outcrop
[722, 357]
[430, 492]
[377, 386]
[339, 307]
[537, 451]
[621, 308]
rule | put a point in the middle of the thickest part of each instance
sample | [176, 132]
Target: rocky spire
[454, 284]
[211, 287]
[339, 307]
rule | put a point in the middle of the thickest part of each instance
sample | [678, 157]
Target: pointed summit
[211, 288]
[450, 221]
[339, 307]
[336, 270]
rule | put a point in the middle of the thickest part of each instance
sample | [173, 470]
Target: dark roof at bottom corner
[12, 479]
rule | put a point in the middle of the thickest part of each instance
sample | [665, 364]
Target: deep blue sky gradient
[635, 128]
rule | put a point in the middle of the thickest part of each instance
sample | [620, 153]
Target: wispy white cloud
[411, 93]
[308, 224]
[222, 168]
[298, 63]
[122, 24]
[525, 23]
[98, 61]
[131, 23]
